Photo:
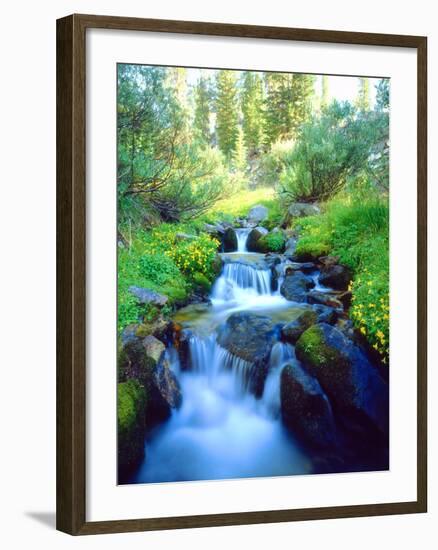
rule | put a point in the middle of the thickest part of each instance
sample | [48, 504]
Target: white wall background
[27, 304]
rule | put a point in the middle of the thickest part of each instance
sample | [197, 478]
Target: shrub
[271, 242]
[331, 150]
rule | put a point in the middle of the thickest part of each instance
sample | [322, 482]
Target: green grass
[159, 260]
[241, 202]
[356, 230]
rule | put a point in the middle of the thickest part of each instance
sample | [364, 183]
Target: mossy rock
[293, 330]
[201, 282]
[131, 406]
[272, 242]
[354, 386]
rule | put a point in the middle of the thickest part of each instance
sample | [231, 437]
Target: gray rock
[293, 330]
[324, 298]
[147, 296]
[253, 236]
[302, 209]
[258, 213]
[335, 276]
[353, 385]
[229, 240]
[305, 408]
[249, 337]
[296, 286]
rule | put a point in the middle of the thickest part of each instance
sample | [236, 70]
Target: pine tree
[382, 94]
[325, 92]
[202, 109]
[302, 96]
[363, 101]
[288, 104]
[252, 110]
[227, 115]
[239, 156]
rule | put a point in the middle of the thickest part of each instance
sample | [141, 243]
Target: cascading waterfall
[222, 430]
[242, 238]
[212, 360]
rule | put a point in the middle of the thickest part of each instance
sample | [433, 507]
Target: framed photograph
[241, 288]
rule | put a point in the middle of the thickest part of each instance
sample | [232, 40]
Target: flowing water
[221, 430]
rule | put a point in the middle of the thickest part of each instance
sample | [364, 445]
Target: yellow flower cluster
[370, 314]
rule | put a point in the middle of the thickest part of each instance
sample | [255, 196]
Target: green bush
[271, 242]
[357, 230]
[331, 150]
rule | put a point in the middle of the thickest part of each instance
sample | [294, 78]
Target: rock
[293, 330]
[299, 210]
[159, 327]
[182, 345]
[345, 297]
[249, 337]
[295, 287]
[154, 348]
[144, 361]
[185, 237]
[305, 267]
[229, 240]
[290, 246]
[335, 276]
[325, 314]
[324, 298]
[253, 236]
[258, 213]
[131, 407]
[215, 229]
[354, 386]
[147, 296]
[164, 393]
[305, 409]
[328, 261]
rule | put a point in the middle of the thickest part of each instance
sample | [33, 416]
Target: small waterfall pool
[221, 430]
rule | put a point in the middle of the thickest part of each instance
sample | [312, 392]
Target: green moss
[312, 349]
[131, 404]
[201, 282]
[272, 242]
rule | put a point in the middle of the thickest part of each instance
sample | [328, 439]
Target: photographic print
[253, 274]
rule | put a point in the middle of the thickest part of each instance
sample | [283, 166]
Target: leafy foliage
[356, 228]
[331, 151]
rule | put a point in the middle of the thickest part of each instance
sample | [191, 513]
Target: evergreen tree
[302, 97]
[325, 93]
[202, 109]
[288, 104]
[227, 115]
[239, 156]
[363, 101]
[252, 110]
[382, 94]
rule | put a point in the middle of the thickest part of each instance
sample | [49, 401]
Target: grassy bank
[172, 259]
[357, 230]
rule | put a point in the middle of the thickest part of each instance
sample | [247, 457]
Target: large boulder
[229, 240]
[258, 213]
[131, 406]
[300, 210]
[335, 276]
[249, 337]
[147, 296]
[325, 299]
[253, 237]
[293, 330]
[354, 386]
[305, 409]
[144, 361]
[296, 286]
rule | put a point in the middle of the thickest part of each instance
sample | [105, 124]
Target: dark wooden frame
[71, 266]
